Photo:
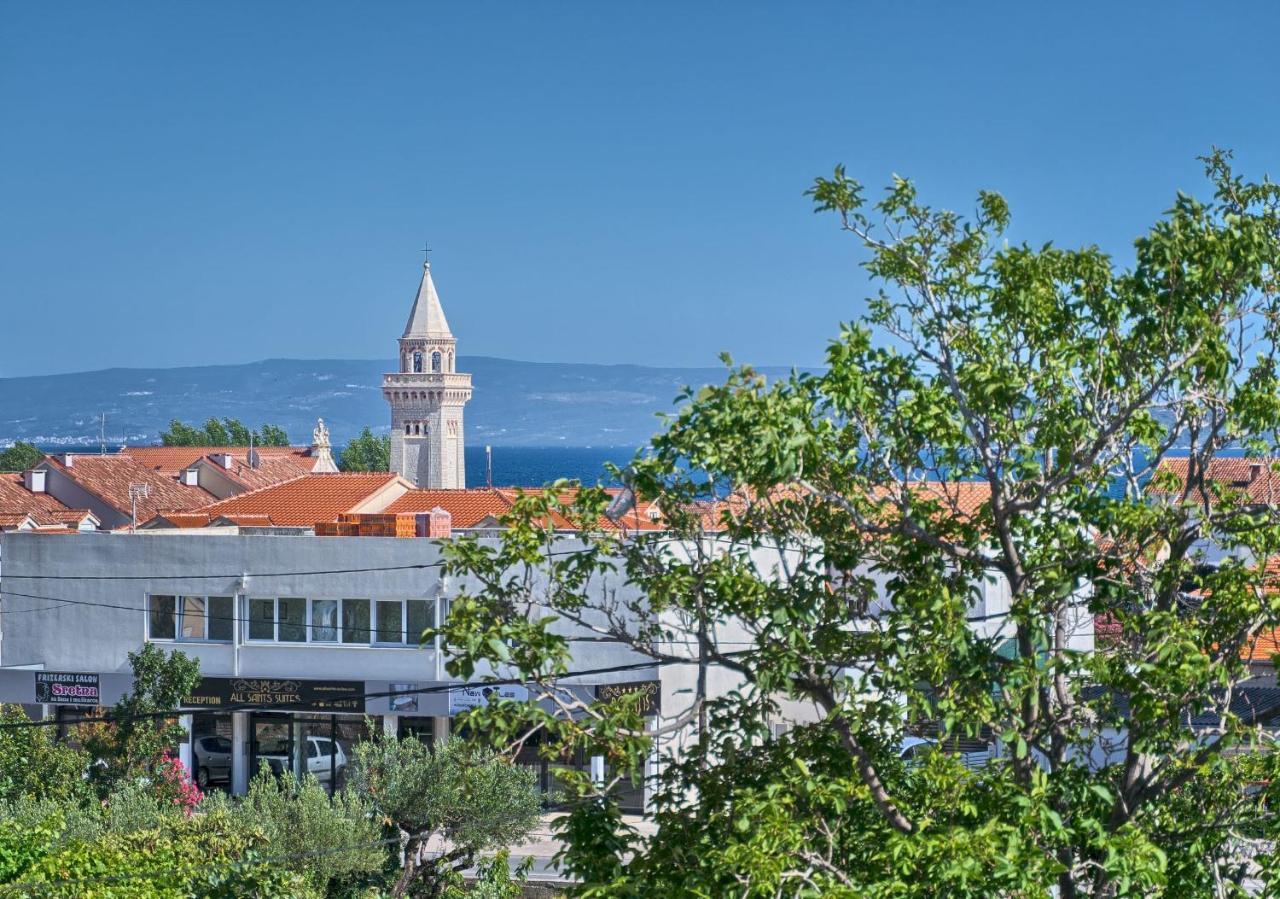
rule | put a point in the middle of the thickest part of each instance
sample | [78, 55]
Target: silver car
[212, 760]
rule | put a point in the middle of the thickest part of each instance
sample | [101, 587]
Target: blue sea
[533, 466]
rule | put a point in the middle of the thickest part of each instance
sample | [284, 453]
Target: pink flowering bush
[173, 783]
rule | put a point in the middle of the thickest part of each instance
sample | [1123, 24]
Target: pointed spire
[427, 318]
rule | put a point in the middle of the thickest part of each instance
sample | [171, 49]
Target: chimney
[36, 480]
[1255, 469]
[191, 477]
[435, 525]
[68, 459]
[224, 459]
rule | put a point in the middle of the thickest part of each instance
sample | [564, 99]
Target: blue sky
[186, 183]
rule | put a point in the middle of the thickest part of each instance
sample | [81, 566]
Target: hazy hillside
[515, 403]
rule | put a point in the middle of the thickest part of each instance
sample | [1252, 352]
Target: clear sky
[191, 183]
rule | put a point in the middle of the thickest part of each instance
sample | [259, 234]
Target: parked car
[212, 756]
[324, 759]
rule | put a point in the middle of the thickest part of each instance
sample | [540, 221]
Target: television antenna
[137, 492]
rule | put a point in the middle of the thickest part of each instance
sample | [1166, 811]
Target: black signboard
[650, 702]
[283, 693]
[64, 688]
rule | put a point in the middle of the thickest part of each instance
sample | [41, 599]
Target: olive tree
[997, 416]
[471, 800]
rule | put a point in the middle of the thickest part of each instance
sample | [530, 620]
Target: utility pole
[488, 459]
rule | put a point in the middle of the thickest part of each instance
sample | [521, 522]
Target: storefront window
[355, 621]
[390, 625]
[419, 615]
[292, 614]
[161, 621]
[324, 621]
[221, 612]
[262, 619]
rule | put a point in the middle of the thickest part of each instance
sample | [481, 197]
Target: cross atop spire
[427, 317]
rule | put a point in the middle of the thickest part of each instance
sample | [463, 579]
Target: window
[435, 362]
[417, 362]
[324, 621]
[162, 623]
[390, 621]
[262, 619]
[292, 615]
[355, 621]
[419, 611]
[221, 612]
[193, 622]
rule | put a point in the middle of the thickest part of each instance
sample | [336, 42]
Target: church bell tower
[427, 396]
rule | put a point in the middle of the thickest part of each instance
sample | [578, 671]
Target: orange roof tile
[15, 498]
[110, 477]
[469, 508]
[1252, 476]
[307, 500]
[174, 459]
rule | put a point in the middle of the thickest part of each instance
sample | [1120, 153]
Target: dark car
[212, 760]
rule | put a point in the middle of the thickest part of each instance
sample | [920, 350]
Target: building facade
[427, 396]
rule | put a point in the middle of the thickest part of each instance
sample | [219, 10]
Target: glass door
[270, 743]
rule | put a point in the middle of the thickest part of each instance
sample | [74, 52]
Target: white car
[324, 758]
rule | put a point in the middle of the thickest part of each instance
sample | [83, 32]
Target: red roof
[1251, 476]
[110, 477]
[312, 498]
[174, 459]
[469, 508]
[15, 498]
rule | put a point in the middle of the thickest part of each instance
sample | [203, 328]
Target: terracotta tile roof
[109, 478]
[205, 519]
[1252, 476]
[469, 508]
[306, 500]
[12, 520]
[174, 459]
[16, 498]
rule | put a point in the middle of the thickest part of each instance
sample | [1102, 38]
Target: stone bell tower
[427, 396]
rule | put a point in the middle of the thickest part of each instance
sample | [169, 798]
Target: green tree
[20, 456]
[367, 453]
[224, 432]
[34, 764]
[473, 798]
[296, 817]
[140, 728]
[273, 436]
[992, 423]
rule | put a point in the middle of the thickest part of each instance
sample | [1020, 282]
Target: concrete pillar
[239, 753]
[186, 749]
[390, 725]
[439, 729]
[597, 770]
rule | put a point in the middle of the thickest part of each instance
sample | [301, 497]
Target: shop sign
[463, 698]
[650, 691]
[278, 693]
[63, 688]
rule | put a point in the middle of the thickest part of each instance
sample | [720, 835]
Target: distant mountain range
[515, 403]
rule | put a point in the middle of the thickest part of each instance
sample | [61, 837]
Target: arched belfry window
[417, 361]
[450, 365]
[435, 361]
